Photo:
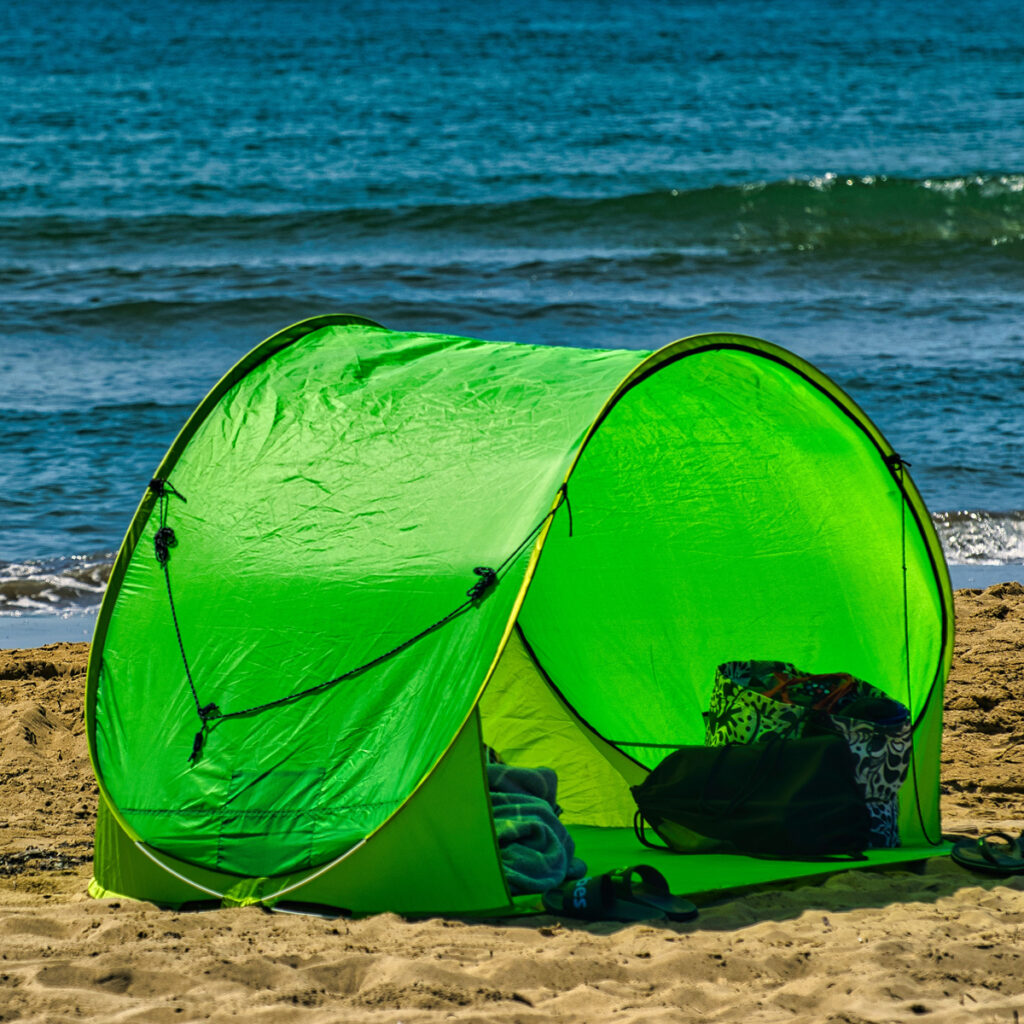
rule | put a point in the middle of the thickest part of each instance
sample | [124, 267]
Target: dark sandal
[643, 884]
[1005, 857]
[595, 899]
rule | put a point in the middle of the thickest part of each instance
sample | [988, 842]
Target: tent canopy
[310, 639]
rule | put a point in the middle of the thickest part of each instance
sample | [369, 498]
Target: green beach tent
[369, 553]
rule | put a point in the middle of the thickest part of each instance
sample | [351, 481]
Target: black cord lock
[163, 542]
[483, 586]
[206, 714]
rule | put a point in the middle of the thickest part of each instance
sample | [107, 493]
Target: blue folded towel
[537, 853]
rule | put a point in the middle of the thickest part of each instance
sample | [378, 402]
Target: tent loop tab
[161, 487]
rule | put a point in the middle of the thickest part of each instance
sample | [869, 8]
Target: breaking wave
[49, 586]
[981, 538]
[829, 213]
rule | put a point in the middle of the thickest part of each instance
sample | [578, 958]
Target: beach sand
[939, 943]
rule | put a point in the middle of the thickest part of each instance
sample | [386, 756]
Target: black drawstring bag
[794, 797]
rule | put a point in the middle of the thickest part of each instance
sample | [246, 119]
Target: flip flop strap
[989, 853]
[651, 878]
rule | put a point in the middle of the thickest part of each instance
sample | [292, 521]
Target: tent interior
[651, 516]
[750, 536]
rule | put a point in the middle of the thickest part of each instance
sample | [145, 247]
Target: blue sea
[179, 181]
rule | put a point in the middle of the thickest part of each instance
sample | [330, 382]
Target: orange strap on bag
[843, 680]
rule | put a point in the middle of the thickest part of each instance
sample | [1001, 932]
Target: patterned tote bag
[754, 699]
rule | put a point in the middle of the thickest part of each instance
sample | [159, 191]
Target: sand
[936, 943]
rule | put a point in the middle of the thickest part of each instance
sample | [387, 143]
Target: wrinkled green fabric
[338, 498]
[343, 483]
[726, 510]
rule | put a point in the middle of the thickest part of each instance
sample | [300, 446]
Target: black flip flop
[594, 899]
[644, 884]
[1005, 857]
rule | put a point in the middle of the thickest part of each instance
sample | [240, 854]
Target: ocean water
[178, 182]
